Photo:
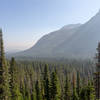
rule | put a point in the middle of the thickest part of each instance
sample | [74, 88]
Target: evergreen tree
[67, 92]
[14, 86]
[4, 75]
[87, 92]
[55, 92]
[42, 89]
[90, 91]
[38, 92]
[83, 93]
[27, 93]
[22, 90]
[78, 83]
[46, 83]
[27, 86]
[34, 95]
[74, 96]
[32, 87]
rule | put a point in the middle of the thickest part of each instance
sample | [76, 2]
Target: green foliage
[4, 74]
[78, 83]
[55, 93]
[75, 95]
[14, 86]
[67, 89]
[49, 88]
[90, 91]
[46, 83]
[87, 92]
[83, 93]
[38, 92]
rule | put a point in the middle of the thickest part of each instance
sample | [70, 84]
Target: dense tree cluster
[33, 80]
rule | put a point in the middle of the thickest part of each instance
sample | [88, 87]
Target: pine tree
[32, 87]
[74, 96]
[55, 93]
[22, 90]
[46, 83]
[4, 75]
[27, 86]
[87, 92]
[14, 86]
[38, 92]
[83, 93]
[90, 91]
[27, 93]
[78, 83]
[67, 92]
[42, 89]
[34, 95]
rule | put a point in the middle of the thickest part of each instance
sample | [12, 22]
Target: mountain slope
[70, 41]
[44, 47]
[84, 43]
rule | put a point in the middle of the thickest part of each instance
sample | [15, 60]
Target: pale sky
[25, 21]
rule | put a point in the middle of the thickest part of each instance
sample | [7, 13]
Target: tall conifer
[38, 92]
[4, 76]
[90, 91]
[14, 86]
[78, 83]
[74, 96]
[46, 83]
[67, 91]
[55, 93]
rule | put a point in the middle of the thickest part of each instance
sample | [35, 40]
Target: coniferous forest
[46, 80]
[49, 49]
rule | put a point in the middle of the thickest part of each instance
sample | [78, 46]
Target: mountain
[45, 46]
[84, 43]
[70, 41]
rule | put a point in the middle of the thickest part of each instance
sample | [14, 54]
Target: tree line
[25, 80]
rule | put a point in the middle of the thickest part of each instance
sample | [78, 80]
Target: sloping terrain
[70, 41]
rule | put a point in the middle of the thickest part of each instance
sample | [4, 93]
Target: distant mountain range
[71, 41]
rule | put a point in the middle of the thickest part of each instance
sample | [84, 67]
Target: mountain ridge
[74, 40]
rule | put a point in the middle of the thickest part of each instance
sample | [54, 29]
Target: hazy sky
[25, 21]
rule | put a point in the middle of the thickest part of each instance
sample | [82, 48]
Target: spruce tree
[27, 93]
[4, 75]
[78, 83]
[90, 91]
[55, 92]
[22, 90]
[27, 86]
[46, 83]
[14, 86]
[67, 91]
[38, 92]
[87, 92]
[83, 93]
[42, 89]
[74, 96]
